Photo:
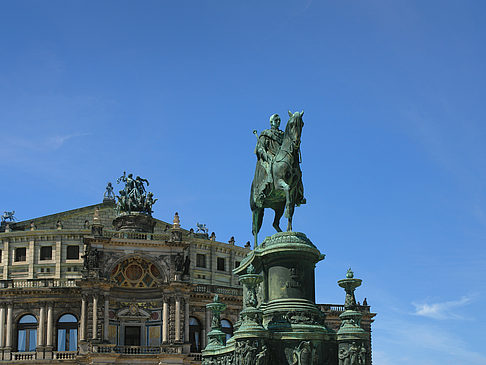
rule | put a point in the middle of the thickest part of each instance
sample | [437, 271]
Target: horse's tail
[253, 205]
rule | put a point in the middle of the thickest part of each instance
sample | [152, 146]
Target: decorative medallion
[136, 272]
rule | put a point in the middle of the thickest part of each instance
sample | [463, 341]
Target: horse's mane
[287, 127]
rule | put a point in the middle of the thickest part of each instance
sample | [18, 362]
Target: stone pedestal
[353, 342]
[280, 322]
[134, 222]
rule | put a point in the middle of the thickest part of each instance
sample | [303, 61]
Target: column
[9, 326]
[95, 317]
[178, 319]
[42, 322]
[2, 327]
[208, 320]
[207, 328]
[49, 325]
[165, 324]
[106, 320]
[82, 325]
[186, 321]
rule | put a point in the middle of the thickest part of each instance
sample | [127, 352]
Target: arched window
[195, 334]
[27, 333]
[227, 328]
[67, 333]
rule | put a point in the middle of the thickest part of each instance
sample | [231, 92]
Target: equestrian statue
[278, 179]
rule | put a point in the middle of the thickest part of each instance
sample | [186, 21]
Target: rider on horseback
[278, 179]
[268, 145]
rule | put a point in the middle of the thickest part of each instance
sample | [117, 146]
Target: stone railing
[136, 235]
[137, 350]
[340, 308]
[20, 356]
[196, 356]
[201, 288]
[65, 355]
[102, 349]
[37, 283]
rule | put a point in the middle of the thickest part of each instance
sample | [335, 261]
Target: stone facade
[75, 289]
[131, 296]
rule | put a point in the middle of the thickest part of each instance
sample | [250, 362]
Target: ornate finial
[33, 227]
[177, 221]
[350, 274]
[97, 227]
[59, 225]
[216, 298]
[7, 227]
[213, 236]
[96, 216]
[250, 269]
[232, 240]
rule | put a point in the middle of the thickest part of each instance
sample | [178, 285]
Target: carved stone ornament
[352, 353]
[304, 354]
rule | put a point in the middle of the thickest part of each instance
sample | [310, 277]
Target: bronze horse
[285, 189]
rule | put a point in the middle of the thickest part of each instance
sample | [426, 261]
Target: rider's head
[275, 121]
[130, 175]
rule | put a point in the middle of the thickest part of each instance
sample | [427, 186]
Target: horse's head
[294, 126]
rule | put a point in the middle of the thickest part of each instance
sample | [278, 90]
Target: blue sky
[393, 144]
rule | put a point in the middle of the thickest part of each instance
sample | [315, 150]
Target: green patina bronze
[280, 322]
[134, 205]
[278, 179]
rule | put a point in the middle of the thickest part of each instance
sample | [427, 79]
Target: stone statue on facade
[179, 266]
[109, 195]
[277, 183]
[186, 266]
[134, 197]
[201, 228]
[91, 258]
[8, 216]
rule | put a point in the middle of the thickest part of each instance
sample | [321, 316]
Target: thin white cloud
[427, 344]
[13, 145]
[444, 310]
[58, 141]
